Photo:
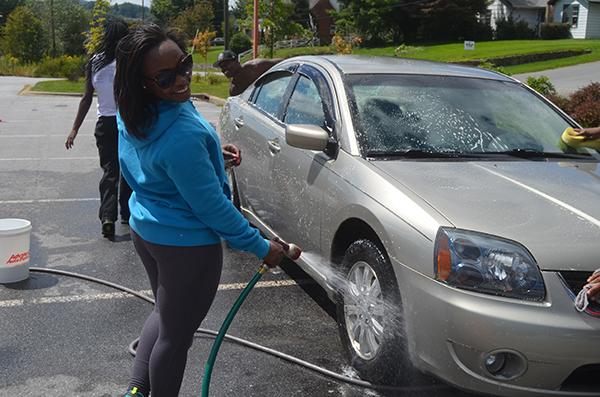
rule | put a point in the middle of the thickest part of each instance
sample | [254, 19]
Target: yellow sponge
[572, 140]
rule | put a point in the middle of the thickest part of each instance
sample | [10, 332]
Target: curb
[209, 98]
[200, 96]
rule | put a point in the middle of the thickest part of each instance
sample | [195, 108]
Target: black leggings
[184, 281]
[112, 185]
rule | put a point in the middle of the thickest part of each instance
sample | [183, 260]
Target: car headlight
[487, 264]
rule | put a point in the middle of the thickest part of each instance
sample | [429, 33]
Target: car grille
[583, 379]
[574, 282]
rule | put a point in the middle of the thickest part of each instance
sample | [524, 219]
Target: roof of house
[334, 4]
[527, 3]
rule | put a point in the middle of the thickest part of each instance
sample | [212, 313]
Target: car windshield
[400, 114]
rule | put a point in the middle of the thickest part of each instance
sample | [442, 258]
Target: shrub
[214, 78]
[509, 29]
[10, 66]
[490, 66]
[541, 84]
[552, 31]
[584, 105]
[67, 66]
[240, 42]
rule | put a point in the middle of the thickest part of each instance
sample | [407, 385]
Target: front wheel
[369, 315]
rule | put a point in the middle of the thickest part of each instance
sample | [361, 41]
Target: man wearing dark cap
[242, 75]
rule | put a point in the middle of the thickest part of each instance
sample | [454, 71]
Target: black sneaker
[108, 229]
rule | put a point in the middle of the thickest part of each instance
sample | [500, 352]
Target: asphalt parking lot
[61, 336]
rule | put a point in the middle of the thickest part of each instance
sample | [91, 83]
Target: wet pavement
[61, 336]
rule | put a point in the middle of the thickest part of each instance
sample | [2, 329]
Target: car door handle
[239, 122]
[274, 146]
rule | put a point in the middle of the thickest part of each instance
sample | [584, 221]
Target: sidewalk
[568, 79]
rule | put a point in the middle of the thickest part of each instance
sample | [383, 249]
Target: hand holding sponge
[576, 140]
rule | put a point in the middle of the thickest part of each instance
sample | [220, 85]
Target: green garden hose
[225, 326]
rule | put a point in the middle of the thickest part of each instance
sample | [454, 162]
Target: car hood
[552, 208]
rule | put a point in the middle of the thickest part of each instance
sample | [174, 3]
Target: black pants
[111, 183]
[184, 282]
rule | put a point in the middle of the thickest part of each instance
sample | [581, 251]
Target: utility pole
[52, 28]
[255, 31]
[226, 23]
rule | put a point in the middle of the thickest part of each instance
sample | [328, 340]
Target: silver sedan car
[439, 209]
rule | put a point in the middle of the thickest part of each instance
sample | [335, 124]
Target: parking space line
[123, 295]
[48, 158]
[33, 201]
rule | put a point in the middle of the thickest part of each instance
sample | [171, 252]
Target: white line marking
[36, 136]
[123, 295]
[48, 158]
[66, 200]
[574, 210]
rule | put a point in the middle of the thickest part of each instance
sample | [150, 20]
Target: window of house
[571, 14]
[574, 15]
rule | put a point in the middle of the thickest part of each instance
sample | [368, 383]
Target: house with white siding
[531, 11]
[583, 15]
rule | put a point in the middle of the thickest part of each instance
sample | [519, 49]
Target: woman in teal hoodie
[180, 206]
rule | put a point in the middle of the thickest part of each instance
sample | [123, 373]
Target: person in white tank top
[100, 73]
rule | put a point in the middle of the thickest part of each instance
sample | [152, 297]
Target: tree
[163, 11]
[6, 7]
[301, 13]
[194, 19]
[240, 43]
[24, 35]
[65, 22]
[276, 21]
[72, 33]
[101, 9]
[452, 19]
[239, 10]
[202, 43]
[379, 21]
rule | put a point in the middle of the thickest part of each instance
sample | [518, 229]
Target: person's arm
[588, 133]
[187, 163]
[84, 107]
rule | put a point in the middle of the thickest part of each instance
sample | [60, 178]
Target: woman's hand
[588, 133]
[232, 155]
[71, 139]
[275, 255]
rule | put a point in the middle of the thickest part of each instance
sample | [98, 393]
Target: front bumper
[450, 332]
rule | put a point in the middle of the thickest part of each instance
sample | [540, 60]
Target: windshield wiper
[537, 154]
[412, 153]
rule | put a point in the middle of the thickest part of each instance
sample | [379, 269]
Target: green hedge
[554, 31]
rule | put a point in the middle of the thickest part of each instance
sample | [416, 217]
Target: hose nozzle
[292, 251]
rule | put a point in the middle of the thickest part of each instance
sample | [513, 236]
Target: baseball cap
[225, 56]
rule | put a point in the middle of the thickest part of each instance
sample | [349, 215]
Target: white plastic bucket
[15, 237]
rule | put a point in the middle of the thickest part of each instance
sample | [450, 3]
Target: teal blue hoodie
[180, 191]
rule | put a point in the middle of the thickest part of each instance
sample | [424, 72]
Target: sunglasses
[165, 78]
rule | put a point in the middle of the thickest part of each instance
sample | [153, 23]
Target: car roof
[360, 64]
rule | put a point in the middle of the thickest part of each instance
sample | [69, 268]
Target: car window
[395, 113]
[306, 106]
[271, 93]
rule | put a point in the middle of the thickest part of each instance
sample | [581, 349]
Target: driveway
[569, 79]
[67, 337]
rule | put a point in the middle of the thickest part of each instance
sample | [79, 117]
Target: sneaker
[133, 393]
[108, 229]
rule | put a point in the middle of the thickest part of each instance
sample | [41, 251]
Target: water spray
[293, 252]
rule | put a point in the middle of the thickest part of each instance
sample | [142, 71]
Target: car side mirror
[306, 136]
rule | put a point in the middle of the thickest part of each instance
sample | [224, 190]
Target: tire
[235, 196]
[381, 356]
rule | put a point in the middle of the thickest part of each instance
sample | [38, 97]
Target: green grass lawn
[221, 89]
[213, 52]
[483, 50]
